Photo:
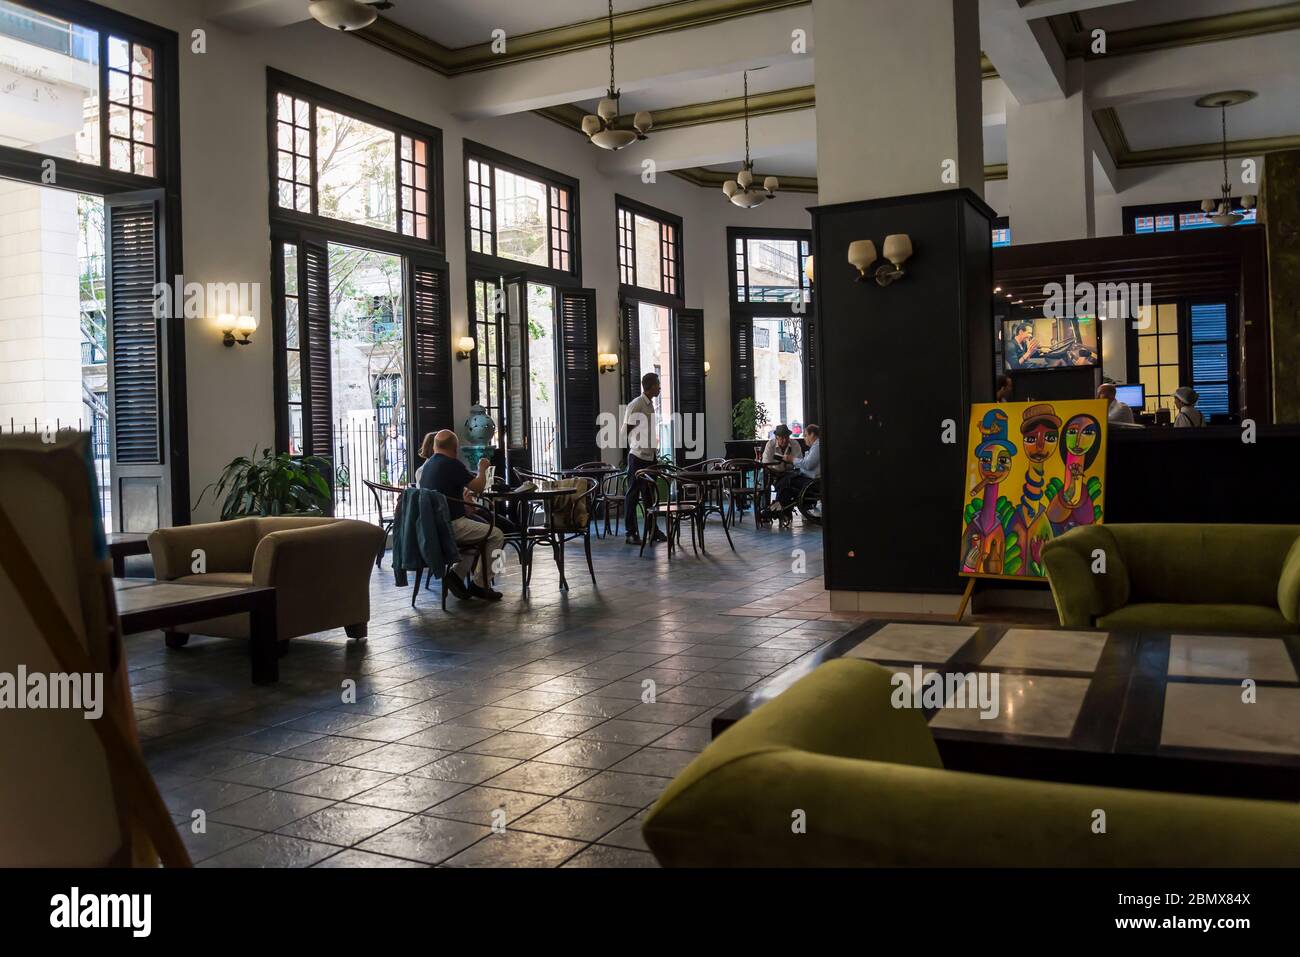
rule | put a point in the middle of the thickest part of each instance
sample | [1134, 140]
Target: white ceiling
[779, 76]
[1180, 122]
[462, 23]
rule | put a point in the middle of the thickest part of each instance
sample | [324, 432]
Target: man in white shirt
[1116, 411]
[778, 450]
[641, 429]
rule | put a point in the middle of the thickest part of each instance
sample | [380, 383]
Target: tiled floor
[514, 734]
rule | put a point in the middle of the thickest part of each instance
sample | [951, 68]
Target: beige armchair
[319, 567]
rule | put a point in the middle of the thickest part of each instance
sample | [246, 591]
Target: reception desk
[1165, 474]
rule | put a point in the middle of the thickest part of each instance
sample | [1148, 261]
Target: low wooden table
[1156, 711]
[122, 544]
[146, 605]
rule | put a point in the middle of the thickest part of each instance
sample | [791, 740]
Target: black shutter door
[809, 345]
[519, 420]
[580, 393]
[690, 381]
[742, 358]
[314, 339]
[429, 335]
[630, 333]
[141, 498]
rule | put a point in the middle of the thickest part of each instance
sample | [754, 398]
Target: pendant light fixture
[742, 191]
[602, 128]
[346, 15]
[1220, 210]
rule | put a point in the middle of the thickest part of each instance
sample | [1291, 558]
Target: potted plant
[273, 484]
[749, 422]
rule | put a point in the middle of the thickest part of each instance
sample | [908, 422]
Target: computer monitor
[1133, 396]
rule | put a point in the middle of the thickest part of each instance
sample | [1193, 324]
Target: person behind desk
[1189, 417]
[807, 469]
[1116, 411]
[446, 473]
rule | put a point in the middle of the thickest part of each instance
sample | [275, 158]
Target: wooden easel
[966, 597]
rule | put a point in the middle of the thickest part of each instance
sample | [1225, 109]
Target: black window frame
[1184, 306]
[489, 264]
[25, 166]
[676, 299]
[278, 82]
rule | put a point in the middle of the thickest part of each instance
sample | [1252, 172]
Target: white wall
[226, 219]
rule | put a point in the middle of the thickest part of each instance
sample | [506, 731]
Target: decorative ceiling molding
[1181, 33]
[1076, 41]
[1112, 134]
[665, 18]
[995, 171]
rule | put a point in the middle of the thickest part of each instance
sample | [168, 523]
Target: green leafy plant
[748, 418]
[272, 484]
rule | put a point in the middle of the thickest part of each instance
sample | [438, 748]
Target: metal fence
[98, 447]
[543, 443]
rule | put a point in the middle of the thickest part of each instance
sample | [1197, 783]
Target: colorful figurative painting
[1034, 470]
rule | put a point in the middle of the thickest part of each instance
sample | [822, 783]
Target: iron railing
[99, 446]
[543, 444]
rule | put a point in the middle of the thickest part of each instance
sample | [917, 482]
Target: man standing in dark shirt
[447, 474]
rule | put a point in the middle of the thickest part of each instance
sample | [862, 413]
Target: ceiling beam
[1026, 52]
[1181, 33]
[649, 21]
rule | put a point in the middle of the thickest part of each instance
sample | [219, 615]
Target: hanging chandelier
[1220, 210]
[742, 191]
[602, 128]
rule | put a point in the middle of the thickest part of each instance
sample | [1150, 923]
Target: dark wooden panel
[630, 333]
[580, 394]
[314, 333]
[135, 331]
[430, 349]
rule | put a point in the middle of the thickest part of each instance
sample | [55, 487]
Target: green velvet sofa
[1237, 578]
[866, 782]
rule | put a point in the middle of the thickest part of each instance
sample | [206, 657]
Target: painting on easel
[1034, 470]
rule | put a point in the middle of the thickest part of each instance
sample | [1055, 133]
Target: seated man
[447, 474]
[1116, 411]
[778, 450]
[807, 469]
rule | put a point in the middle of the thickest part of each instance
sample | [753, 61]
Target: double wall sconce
[464, 346]
[608, 362]
[897, 249]
[229, 325]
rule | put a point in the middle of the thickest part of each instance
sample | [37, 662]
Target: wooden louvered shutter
[314, 337]
[429, 334]
[690, 380]
[580, 394]
[809, 345]
[630, 333]
[141, 499]
[518, 391]
[742, 358]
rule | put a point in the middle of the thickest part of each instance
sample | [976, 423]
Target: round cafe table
[519, 506]
[710, 481]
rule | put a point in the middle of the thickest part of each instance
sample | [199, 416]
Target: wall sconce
[862, 253]
[898, 250]
[707, 367]
[229, 325]
[608, 362]
[464, 346]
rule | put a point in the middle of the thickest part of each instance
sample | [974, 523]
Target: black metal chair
[394, 495]
[612, 499]
[744, 490]
[564, 527]
[671, 506]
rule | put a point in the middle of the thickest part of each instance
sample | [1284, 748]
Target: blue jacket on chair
[422, 535]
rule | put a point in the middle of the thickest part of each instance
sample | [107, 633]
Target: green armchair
[1239, 578]
[829, 774]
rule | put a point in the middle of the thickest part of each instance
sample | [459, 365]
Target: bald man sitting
[446, 473]
[1116, 411]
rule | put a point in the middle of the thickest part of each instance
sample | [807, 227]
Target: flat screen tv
[1043, 343]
